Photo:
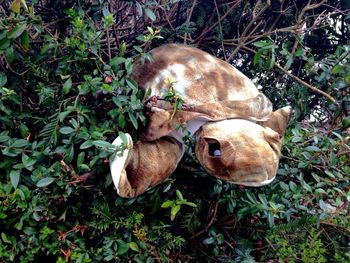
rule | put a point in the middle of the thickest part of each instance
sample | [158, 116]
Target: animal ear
[278, 120]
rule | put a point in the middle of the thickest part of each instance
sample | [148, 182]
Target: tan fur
[249, 156]
[232, 114]
[151, 163]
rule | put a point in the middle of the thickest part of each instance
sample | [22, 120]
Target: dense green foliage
[66, 92]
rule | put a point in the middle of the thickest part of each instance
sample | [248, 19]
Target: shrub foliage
[66, 93]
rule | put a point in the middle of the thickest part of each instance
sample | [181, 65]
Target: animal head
[242, 151]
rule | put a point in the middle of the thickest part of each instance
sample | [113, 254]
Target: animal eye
[214, 149]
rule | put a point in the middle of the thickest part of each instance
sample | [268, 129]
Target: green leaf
[208, 241]
[150, 14]
[86, 144]
[174, 211]
[67, 86]
[307, 187]
[139, 8]
[116, 61]
[45, 182]
[16, 6]
[331, 175]
[80, 159]
[179, 195]
[17, 30]
[132, 84]
[190, 204]
[123, 248]
[63, 115]
[66, 130]
[261, 43]
[14, 178]
[337, 69]
[4, 43]
[25, 40]
[10, 54]
[167, 204]
[312, 149]
[138, 48]
[4, 238]
[289, 63]
[24, 5]
[292, 186]
[133, 120]
[123, 136]
[256, 58]
[150, 29]
[270, 219]
[102, 144]
[19, 143]
[134, 246]
[27, 161]
[3, 79]
[4, 138]
[346, 122]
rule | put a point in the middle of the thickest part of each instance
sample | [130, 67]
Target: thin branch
[108, 45]
[306, 84]
[220, 27]
[189, 18]
[255, 17]
[300, 81]
[215, 24]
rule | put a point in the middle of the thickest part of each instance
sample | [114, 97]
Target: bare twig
[300, 81]
[108, 45]
[189, 18]
[220, 27]
[306, 84]
[216, 23]
[247, 29]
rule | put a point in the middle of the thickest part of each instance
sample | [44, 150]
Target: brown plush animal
[238, 136]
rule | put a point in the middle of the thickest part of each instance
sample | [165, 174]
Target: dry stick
[278, 17]
[300, 80]
[167, 19]
[290, 29]
[296, 29]
[248, 28]
[215, 24]
[306, 84]
[220, 27]
[108, 45]
[189, 18]
[301, 21]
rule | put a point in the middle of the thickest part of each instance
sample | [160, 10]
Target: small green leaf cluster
[175, 205]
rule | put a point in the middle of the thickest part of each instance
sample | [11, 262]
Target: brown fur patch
[150, 164]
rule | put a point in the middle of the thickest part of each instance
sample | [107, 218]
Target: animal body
[238, 135]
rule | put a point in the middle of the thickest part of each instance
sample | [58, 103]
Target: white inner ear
[119, 162]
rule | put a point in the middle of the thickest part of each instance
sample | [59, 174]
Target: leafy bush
[66, 93]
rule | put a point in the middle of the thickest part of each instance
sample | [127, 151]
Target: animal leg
[146, 165]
